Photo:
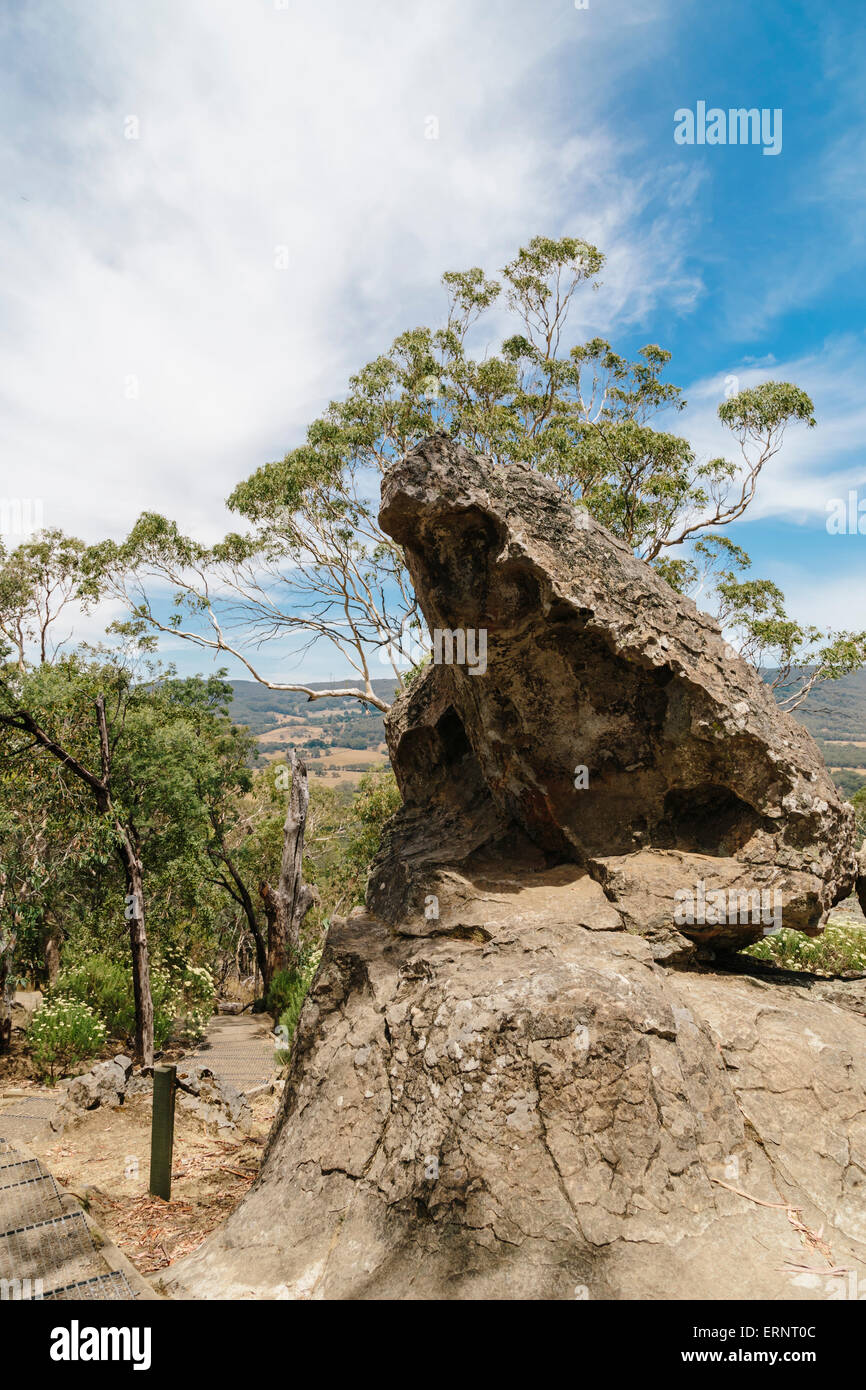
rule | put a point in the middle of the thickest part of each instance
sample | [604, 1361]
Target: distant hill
[835, 715]
[257, 707]
[837, 709]
[334, 730]
[339, 738]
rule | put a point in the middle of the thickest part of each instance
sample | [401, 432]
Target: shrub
[289, 989]
[106, 985]
[182, 995]
[194, 992]
[839, 950]
[62, 1033]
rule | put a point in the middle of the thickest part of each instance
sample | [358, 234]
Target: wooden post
[162, 1130]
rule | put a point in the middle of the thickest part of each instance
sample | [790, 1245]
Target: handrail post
[162, 1130]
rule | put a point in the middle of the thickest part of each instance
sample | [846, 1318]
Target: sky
[214, 211]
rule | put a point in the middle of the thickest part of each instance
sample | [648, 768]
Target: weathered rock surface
[593, 662]
[212, 1099]
[104, 1084]
[24, 1005]
[498, 1088]
[537, 1109]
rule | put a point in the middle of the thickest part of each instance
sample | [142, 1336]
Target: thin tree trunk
[140, 954]
[128, 854]
[129, 857]
[7, 945]
[242, 895]
[52, 954]
[288, 903]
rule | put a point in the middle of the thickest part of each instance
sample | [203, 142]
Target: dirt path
[103, 1162]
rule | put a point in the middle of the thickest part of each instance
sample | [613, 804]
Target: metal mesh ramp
[28, 1119]
[244, 1067]
[45, 1252]
[104, 1288]
[60, 1252]
[32, 1200]
[9, 1156]
[16, 1171]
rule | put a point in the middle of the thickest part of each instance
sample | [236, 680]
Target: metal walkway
[238, 1049]
[46, 1251]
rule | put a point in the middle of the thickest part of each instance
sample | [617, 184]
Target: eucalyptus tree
[311, 563]
[76, 716]
[40, 581]
[127, 753]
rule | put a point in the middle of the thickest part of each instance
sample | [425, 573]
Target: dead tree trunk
[288, 903]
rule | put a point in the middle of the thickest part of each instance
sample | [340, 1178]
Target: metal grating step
[242, 1067]
[21, 1168]
[33, 1107]
[34, 1199]
[104, 1287]
[9, 1156]
[59, 1252]
[23, 1129]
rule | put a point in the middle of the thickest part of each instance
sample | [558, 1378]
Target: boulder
[499, 1087]
[212, 1099]
[540, 1110]
[611, 719]
[104, 1084]
[24, 1005]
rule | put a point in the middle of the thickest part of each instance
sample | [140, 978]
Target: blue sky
[151, 355]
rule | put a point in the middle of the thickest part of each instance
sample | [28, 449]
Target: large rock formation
[499, 1087]
[693, 775]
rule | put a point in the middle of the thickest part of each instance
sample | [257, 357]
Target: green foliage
[38, 580]
[377, 800]
[62, 1033]
[182, 995]
[840, 950]
[105, 986]
[858, 801]
[768, 407]
[344, 834]
[849, 783]
[794, 657]
[289, 990]
[286, 984]
[597, 423]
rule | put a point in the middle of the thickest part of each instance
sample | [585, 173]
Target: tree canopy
[312, 563]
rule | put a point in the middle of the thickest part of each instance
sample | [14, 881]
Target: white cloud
[151, 354]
